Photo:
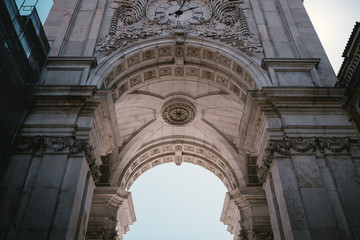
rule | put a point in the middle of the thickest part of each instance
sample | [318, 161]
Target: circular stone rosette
[178, 112]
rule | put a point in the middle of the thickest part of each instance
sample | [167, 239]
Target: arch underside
[214, 79]
[179, 152]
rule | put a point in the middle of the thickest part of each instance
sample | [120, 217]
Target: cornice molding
[64, 60]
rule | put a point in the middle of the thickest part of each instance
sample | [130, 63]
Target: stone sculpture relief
[60, 144]
[287, 146]
[107, 232]
[227, 24]
[257, 233]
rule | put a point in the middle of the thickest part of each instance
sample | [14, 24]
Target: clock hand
[181, 6]
[179, 13]
[189, 9]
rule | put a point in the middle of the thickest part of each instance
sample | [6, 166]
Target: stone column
[309, 163]
[246, 214]
[112, 212]
[305, 188]
[48, 183]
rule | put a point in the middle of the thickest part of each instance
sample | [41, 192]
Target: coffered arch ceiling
[210, 78]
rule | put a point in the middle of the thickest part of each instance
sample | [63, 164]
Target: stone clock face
[178, 12]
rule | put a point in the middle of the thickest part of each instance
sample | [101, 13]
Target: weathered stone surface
[253, 81]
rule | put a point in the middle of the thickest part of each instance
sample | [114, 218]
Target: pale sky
[333, 21]
[185, 203]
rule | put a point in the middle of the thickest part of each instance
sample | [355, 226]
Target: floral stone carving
[288, 146]
[60, 144]
[227, 24]
[178, 112]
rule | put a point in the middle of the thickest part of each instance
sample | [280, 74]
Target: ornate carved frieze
[227, 24]
[25, 143]
[289, 146]
[50, 143]
[67, 144]
[257, 233]
[306, 145]
[262, 233]
[95, 232]
[106, 231]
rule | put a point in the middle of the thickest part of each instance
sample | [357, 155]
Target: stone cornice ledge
[300, 95]
[62, 91]
[61, 60]
[68, 95]
[290, 62]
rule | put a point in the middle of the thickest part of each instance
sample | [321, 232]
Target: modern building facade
[24, 48]
[241, 88]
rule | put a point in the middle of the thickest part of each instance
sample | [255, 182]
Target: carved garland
[300, 145]
[60, 144]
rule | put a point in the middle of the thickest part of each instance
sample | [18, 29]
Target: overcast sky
[334, 21]
[185, 203]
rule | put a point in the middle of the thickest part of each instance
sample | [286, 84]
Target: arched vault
[212, 78]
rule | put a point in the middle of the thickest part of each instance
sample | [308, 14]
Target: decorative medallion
[178, 112]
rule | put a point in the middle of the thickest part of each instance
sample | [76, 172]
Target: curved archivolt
[196, 58]
[199, 63]
[179, 153]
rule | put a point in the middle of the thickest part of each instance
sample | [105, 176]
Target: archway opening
[171, 103]
[178, 203]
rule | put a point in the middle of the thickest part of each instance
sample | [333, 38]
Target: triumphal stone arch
[241, 88]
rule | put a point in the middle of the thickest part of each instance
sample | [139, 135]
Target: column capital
[113, 208]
